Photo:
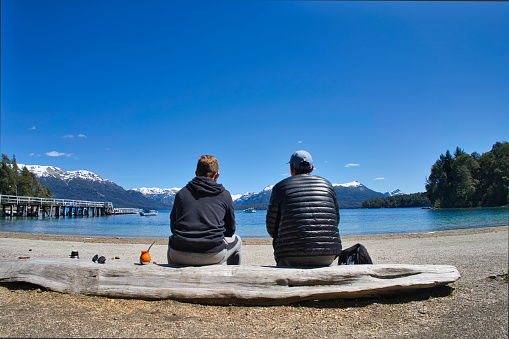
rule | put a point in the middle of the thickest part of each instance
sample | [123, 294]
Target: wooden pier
[18, 206]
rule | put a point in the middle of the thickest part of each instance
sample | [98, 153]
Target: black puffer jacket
[303, 217]
[201, 217]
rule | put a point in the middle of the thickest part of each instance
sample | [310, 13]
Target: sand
[476, 306]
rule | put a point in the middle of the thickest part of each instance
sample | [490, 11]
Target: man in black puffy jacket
[203, 221]
[303, 217]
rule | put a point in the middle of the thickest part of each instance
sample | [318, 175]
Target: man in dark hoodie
[203, 221]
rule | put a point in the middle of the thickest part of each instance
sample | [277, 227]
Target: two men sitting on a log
[302, 218]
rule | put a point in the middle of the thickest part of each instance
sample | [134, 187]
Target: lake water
[252, 225]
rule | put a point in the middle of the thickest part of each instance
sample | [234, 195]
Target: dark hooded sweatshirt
[201, 217]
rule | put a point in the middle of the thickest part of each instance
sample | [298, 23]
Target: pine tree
[463, 183]
[472, 180]
[495, 175]
[26, 184]
[25, 187]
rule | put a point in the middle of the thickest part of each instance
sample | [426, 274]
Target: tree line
[470, 180]
[403, 200]
[24, 183]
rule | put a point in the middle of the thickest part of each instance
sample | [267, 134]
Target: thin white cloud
[32, 128]
[352, 165]
[58, 154]
[34, 155]
[379, 178]
[300, 142]
[107, 149]
[70, 136]
[54, 154]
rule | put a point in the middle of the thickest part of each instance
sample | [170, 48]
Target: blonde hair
[207, 166]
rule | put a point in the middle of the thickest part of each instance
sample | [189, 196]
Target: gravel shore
[476, 306]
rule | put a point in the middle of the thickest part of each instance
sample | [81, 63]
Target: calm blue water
[252, 225]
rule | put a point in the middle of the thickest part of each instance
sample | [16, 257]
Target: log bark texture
[223, 285]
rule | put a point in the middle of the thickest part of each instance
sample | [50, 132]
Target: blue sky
[136, 91]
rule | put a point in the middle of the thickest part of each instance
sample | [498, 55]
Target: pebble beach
[475, 306]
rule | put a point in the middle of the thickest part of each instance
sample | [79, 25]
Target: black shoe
[94, 259]
[101, 260]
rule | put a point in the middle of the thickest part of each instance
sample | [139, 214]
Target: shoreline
[245, 241]
[475, 306]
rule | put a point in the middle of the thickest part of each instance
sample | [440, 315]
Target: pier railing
[20, 200]
[32, 206]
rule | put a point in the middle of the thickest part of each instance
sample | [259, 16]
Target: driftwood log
[222, 284]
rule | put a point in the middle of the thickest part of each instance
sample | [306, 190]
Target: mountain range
[350, 195]
[85, 185]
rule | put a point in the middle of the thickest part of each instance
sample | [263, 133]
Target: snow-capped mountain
[155, 190]
[349, 184]
[85, 185]
[162, 195]
[251, 198]
[236, 196]
[52, 171]
[392, 193]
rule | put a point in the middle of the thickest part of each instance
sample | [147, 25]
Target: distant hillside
[353, 194]
[350, 195]
[399, 200]
[84, 185]
[164, 196]
[258, 200]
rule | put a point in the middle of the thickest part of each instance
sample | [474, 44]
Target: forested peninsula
[403, 200]
[460, 180]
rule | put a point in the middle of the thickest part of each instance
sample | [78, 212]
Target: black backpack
[355, 255]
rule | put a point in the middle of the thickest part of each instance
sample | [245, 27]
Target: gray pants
[232, 255]
[315, 261]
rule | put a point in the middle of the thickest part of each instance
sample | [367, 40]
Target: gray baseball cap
[301, 160]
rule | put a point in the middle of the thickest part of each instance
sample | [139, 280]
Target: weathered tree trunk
[221, 284]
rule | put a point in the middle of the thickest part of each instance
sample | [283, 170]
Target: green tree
[463, 182]
[25, 184]
[437, 185]
[8, 176]
[4, 174]
[472, 180]
[494, 181]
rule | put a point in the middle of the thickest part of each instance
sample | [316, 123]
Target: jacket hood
[204, 186]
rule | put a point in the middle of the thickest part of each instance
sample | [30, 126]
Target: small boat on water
[148, 213]
[250, 210]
